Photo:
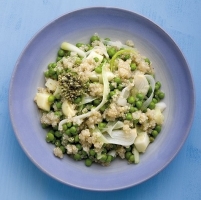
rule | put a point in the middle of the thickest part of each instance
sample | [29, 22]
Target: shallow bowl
[171, 70]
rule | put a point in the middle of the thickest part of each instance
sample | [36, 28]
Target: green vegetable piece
[161, 95]
[129, 116]
[88, 162]
[73, 130]
[50, 137]
[140, 96]
[158, 128]
[147, 60]
[103, 157]
[57, 143]
[133, 109]
[60, 53]
[76, 138]
[138, 104]
[92, 152]
[131, 159]
[117, 80]
[94, 38]
[69, 124]
[131, 100]
[98, 70]
[154, 133]
[79, 45]
[111, 51]
[58, 134]
[133, 66]
[109, 159]
[101, 125]
[128, 154]
[58, 58]
[96, 59]
[78, 100]
[62, 149]
[152, 105]
[51, 98]
[77, 156]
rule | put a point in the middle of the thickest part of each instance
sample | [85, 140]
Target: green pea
[92, 152]
[51, 98]
[64, 127]
[96, 102]
[140, 96]
[158, 128]
[126, 57]
[79, 147]
[88, 162]
[161, 95]
[57, 143]
[128, 149]
[117, 80]
[151, 139]
[79, 45]
[147, 60]
[152, 105]
[58, 105]
[133, 109]
[46, 73]
[155, 100]
[112, 93]
[58, 58]
[131, 159]
[102, 109]
[73, 130]
[78, 100]
[109, 159]
[101, 125]
[58, 134]
[63, 149]
[120, 87]
[103, 157]
[138, 104]
[60, 53]
[51, 72]
[50, 137]
[128, 154]
[96, 59]
[69, 124]
[129, 116]
[98, 70]
[94, 38]
[111, 51]
[131, 100]
[84, 154]
[67, 132]
[58, 96]
[154, 133]
[133, 66]
[158, 84]
[53, 65]
[76, 139]
[77, 156]
[112, 87]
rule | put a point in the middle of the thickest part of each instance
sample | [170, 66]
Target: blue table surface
[20, 178]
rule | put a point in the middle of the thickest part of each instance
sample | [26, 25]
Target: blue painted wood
[19, 178]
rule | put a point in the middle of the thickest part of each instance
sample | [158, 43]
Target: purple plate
[171, 69]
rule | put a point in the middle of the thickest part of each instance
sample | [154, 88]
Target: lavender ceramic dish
[171, 69]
